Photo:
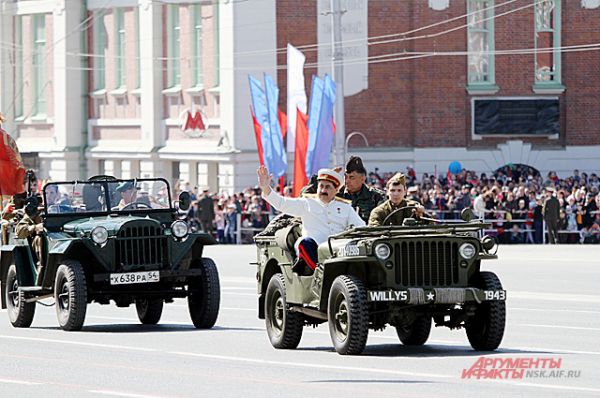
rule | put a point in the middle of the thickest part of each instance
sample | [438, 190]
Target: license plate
[134, 277]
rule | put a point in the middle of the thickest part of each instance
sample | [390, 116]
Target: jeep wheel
[205, 295]
[348, 315]
[70, 294]
[486, 328]
[149, 310]
[417, 333]
[284, 328]
[20, 313]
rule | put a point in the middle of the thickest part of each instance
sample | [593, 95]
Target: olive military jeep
[370, 277]
[107, 239]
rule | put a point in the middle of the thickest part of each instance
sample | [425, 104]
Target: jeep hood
[112, 224]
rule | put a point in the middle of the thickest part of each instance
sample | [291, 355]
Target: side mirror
[185, 200]
[467, 214]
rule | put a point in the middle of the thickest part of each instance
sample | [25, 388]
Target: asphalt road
[553, 311]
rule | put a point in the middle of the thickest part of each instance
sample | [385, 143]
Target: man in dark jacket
[206, 208]
[551, 214]
[364, 199]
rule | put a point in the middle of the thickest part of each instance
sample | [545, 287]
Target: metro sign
[193, 125]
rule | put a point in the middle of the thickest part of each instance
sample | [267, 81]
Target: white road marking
[554, 310]
[558, 327]
[23, 382]
[548, 386]
[123, 394]
[79, 343]
[241, 294]
[239, 288]
[310, 365]
[578, 298]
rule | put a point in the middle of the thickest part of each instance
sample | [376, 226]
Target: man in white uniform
[322, 214]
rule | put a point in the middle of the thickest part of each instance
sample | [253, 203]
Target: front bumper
[450, 295]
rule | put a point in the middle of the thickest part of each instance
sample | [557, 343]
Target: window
[99, 48]
[120, 47]
[516, 116]
[216, 41]
[19, 67]
[225, 178]
[137, 49]
[481, 43]
[547, 43]
[197, 45]
[173, 42]
[202, 175]
[39, 69]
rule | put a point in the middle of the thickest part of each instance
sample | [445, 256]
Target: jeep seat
[286, 237]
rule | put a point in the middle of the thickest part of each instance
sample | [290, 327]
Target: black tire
[417, 333]
[284, 328]
[70, 295]
[149, 310]
[348, 315]
[486, 328]
[205, 296]
[20, 313]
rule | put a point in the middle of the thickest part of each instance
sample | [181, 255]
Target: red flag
[300, 178]
[12, 171]
[257, 132]
[282, 122]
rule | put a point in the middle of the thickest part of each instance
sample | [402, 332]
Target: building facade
[134, 88]
[160, 88]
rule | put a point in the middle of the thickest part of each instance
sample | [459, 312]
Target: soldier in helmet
[364, 199]
[396, 190]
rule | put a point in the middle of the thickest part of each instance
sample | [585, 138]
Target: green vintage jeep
[106, 239]
[370, 277]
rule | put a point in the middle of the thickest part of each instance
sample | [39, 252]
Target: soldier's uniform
[380, 213]
[26, 228]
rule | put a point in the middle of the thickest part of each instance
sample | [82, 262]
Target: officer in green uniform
[364, 199]
[31, 227]
[396, 190]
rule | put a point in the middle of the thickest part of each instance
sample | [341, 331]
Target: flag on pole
[12, 170]
[314, 113]
[325, 133]
[296, 95]
[257, 132]
[300, 177]
[279, 155]
[259, 105]
[283, 123]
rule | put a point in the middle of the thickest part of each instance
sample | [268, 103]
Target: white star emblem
[430, 296]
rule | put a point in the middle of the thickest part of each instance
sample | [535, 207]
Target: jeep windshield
[137, 195]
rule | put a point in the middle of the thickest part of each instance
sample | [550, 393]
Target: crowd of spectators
[510, 198]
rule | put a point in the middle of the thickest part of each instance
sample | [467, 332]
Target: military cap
[125, 186]
[397, 179]
[331, 176]
[355, 164]
[550, 189]
[412, 189]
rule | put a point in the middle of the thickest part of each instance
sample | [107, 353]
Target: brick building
[483, 108]
[104, 86]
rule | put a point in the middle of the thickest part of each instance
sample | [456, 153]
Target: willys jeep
[370, 277]
[106, 239]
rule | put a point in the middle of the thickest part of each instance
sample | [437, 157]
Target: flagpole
[337, 69]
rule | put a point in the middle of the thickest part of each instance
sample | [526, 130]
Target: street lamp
[352, 134]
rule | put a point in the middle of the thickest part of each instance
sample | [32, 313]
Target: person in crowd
[551, 214]
[230, 224]
[206, 210]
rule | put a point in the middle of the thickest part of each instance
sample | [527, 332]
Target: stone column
[7, 58]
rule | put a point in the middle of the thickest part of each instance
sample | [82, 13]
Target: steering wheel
[136, 205]
[396, 211]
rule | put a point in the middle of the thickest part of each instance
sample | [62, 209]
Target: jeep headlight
[467, 250]
[382, 251]
[99, 235]
[179, 229]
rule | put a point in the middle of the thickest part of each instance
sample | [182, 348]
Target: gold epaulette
[348, 201]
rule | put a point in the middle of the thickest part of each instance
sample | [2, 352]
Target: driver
[128, 193]
[396, 190]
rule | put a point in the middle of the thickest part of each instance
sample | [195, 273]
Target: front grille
[428, 263]
[140, 245]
